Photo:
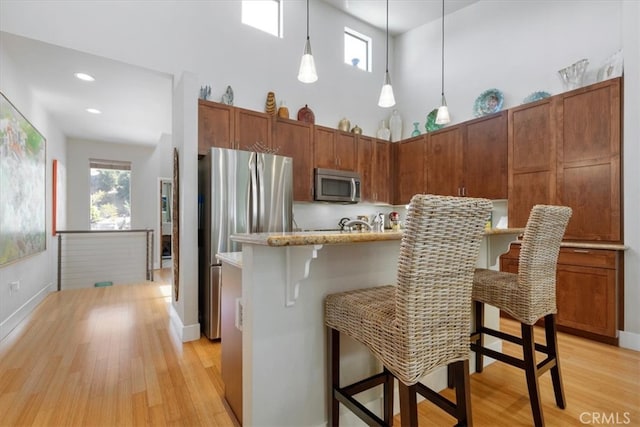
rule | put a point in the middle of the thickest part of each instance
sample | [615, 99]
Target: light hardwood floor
[106, 357]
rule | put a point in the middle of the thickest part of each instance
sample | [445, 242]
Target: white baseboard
[184, 333]
[17, 316]
[630, 340]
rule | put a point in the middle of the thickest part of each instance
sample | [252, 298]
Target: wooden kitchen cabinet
[531, 157]
[444, 162]
[588, 290]
[295, 139]
[334, 149]
[589, 145]
[215, 126]
[409, 169]
[469, 159]
[252, 130]
[485, 157]
[224, 126]
[374, 167]
[566, 150]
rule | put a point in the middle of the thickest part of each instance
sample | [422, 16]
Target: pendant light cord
[443, 48]
[307, 19]
[387, 63]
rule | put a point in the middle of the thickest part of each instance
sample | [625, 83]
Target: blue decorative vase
[416, 131]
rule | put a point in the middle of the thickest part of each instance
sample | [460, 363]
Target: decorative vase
[306, 115]
[283, 111]
[416, 131]
[356, 129]
[383, 131]
[395, 126]
[227, 97]
[344, 125]
[270, 105]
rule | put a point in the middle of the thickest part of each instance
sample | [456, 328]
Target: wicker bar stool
[423, 321]
[527, 296]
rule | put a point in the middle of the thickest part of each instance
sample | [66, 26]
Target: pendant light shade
[307, 72]
[442, 118]
[386, 94]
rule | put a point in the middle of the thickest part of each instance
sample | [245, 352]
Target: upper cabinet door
[366, 153]
[444, 162]
[294, 139]
[252, 130]
[589, 161]
[382, 172]
[485, 157]
[345, 151]
[215, 126]
[323, 147]
[531, 158]
[409, 175]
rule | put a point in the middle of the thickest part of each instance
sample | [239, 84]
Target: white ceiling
[136, 102]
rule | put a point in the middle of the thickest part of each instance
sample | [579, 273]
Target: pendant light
[442, 118]
[307, 72]
[386, 94]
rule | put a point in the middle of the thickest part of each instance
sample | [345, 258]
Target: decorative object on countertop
[227, 96]
[416, 131]
[270, 105]
[306, 115]
[573, 74]
[395, 125]
[394, 221]
[383, 131]
[356, 129]
[283, 111]
[612, 67]
[442, 116]
[536, 96]
[489, 102]
[344, 125]
[205, 92]
[431, 125]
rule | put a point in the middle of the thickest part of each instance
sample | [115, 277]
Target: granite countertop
[301, 238]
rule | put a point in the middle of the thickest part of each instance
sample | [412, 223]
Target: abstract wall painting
[22, 186]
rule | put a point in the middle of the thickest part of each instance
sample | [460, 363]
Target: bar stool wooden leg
[479, 323]
[388, 398]
[408, 405]
[552, 346]
[463, 393]
[531, 371]
[334, 342]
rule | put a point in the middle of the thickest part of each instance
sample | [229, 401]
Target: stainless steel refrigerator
[239, 192]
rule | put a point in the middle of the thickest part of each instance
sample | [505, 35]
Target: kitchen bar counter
[301, 238]
[280, 313]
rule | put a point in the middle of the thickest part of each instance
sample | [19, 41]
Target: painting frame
[23, 155]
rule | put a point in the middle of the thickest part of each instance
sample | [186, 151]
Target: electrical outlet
[14, 287]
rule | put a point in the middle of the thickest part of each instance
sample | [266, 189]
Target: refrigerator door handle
[261, 201]
[252, 223]
[353, 189]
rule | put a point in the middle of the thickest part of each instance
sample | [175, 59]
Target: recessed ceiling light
[85, 77]
[93, 111]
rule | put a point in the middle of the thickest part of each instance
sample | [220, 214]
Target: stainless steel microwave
[337, 186]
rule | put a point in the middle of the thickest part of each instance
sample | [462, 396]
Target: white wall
[514, 46]
[631, 42]
[37, 273]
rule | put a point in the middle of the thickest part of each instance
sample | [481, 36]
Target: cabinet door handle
[581, 251]
[459, 192]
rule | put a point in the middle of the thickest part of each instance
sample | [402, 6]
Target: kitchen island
[284, 279]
